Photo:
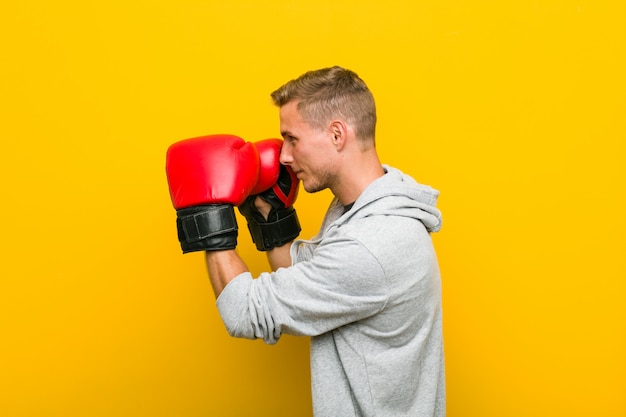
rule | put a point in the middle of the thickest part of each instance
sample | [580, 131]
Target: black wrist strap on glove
[209, 227]
[281, 227]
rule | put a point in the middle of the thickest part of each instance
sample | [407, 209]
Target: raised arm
[223, 267]
[208, 176]
[272, 219]
[279, 257]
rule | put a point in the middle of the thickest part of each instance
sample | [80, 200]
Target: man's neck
[357, 175]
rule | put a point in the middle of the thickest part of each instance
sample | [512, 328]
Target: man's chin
[313, 189]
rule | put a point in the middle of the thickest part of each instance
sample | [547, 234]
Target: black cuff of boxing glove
[268, 235]
[210, 227]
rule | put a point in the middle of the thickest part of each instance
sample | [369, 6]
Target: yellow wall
[515, 110]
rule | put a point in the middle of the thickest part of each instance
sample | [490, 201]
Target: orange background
[514, 110]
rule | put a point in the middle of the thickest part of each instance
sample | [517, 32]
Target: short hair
[328, 93]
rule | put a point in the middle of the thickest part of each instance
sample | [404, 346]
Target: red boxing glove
[269, 165]
[211, 169]
[207, 177]
[282, 225]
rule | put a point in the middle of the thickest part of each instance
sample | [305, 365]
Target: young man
[367, 288]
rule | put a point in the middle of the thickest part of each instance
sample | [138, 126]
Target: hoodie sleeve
[343, 283]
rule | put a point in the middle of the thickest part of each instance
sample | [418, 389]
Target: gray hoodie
[368, 292]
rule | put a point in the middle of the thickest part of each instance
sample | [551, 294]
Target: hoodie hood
[398, 194]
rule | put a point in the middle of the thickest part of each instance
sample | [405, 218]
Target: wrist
[282, 228]
[210, 227]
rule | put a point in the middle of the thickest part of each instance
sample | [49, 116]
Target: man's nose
[285, 157]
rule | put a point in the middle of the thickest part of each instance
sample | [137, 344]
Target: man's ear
[338, 131]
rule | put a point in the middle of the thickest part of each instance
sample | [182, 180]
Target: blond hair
[328, 93]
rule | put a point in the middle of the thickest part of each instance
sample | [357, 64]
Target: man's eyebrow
[285, 133]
